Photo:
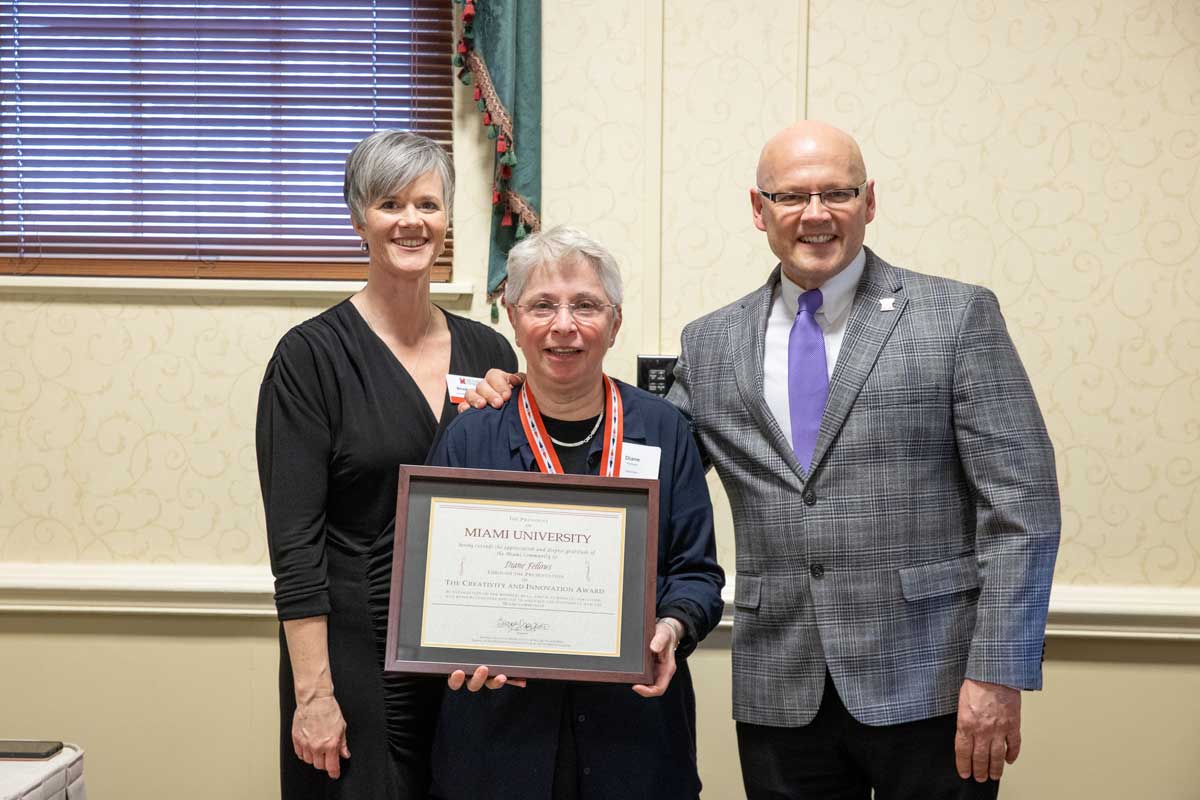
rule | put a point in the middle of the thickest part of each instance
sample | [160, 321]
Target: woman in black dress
[347, 397]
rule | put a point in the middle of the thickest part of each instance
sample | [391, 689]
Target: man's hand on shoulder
[989, 729]
[494, 390]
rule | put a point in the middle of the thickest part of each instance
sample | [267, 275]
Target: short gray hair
[386, 161]
[561, 244]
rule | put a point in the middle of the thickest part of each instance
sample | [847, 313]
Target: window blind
[208, 139]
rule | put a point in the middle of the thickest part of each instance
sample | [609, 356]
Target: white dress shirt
[837, 296]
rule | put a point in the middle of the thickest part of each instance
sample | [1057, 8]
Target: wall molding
[1124, 612]
[1105, 612]
[209, 590]
[199, 287]
[213, 590]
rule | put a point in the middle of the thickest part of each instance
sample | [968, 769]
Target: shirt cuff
[689, 617]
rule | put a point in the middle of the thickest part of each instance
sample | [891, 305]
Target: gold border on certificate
[612, 514]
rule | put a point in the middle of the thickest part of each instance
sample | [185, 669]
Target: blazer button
[817, 571]
[810, 497]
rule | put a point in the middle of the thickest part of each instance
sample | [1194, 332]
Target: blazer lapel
[868, 328]
[747, 340]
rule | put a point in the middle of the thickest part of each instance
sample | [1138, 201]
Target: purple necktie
[808, 380]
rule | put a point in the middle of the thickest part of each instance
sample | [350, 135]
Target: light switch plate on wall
[655, 374]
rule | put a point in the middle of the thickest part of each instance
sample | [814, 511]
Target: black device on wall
[655, 374]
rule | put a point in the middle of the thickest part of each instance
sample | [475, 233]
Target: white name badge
[458, 385]
[639, 461]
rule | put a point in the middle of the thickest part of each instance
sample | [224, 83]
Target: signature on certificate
[521, 625]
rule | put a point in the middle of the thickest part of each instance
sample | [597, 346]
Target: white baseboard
[213, 590]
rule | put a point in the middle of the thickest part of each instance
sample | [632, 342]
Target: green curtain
[501, 58]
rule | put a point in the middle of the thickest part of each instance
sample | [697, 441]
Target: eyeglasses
[583, 311]
[829, 197]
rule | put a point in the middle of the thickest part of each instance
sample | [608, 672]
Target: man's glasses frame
[829, 197]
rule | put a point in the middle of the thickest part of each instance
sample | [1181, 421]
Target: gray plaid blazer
[920, 548]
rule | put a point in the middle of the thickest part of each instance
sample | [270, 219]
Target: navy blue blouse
[502, 744]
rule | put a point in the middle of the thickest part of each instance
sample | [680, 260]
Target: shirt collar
[837, 292]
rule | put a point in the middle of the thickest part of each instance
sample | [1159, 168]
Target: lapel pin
[887, 304]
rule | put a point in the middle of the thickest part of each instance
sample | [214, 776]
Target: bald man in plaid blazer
[891, 591]
[891, 594]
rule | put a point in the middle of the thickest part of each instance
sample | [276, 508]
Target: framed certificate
[531, 575]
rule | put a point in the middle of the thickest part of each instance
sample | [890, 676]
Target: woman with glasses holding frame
[555, 740]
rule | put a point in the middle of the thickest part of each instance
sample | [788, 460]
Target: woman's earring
[363, 246]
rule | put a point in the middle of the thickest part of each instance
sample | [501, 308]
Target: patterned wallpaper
[597, 125]
[1049, 150]
[728, 85]
[128, 429]
[1045, 149]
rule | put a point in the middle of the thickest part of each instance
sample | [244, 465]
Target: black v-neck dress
[337, 414]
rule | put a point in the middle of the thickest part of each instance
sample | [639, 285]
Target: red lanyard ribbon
[543, 449]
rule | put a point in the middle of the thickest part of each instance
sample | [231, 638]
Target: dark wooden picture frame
[404, 651]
